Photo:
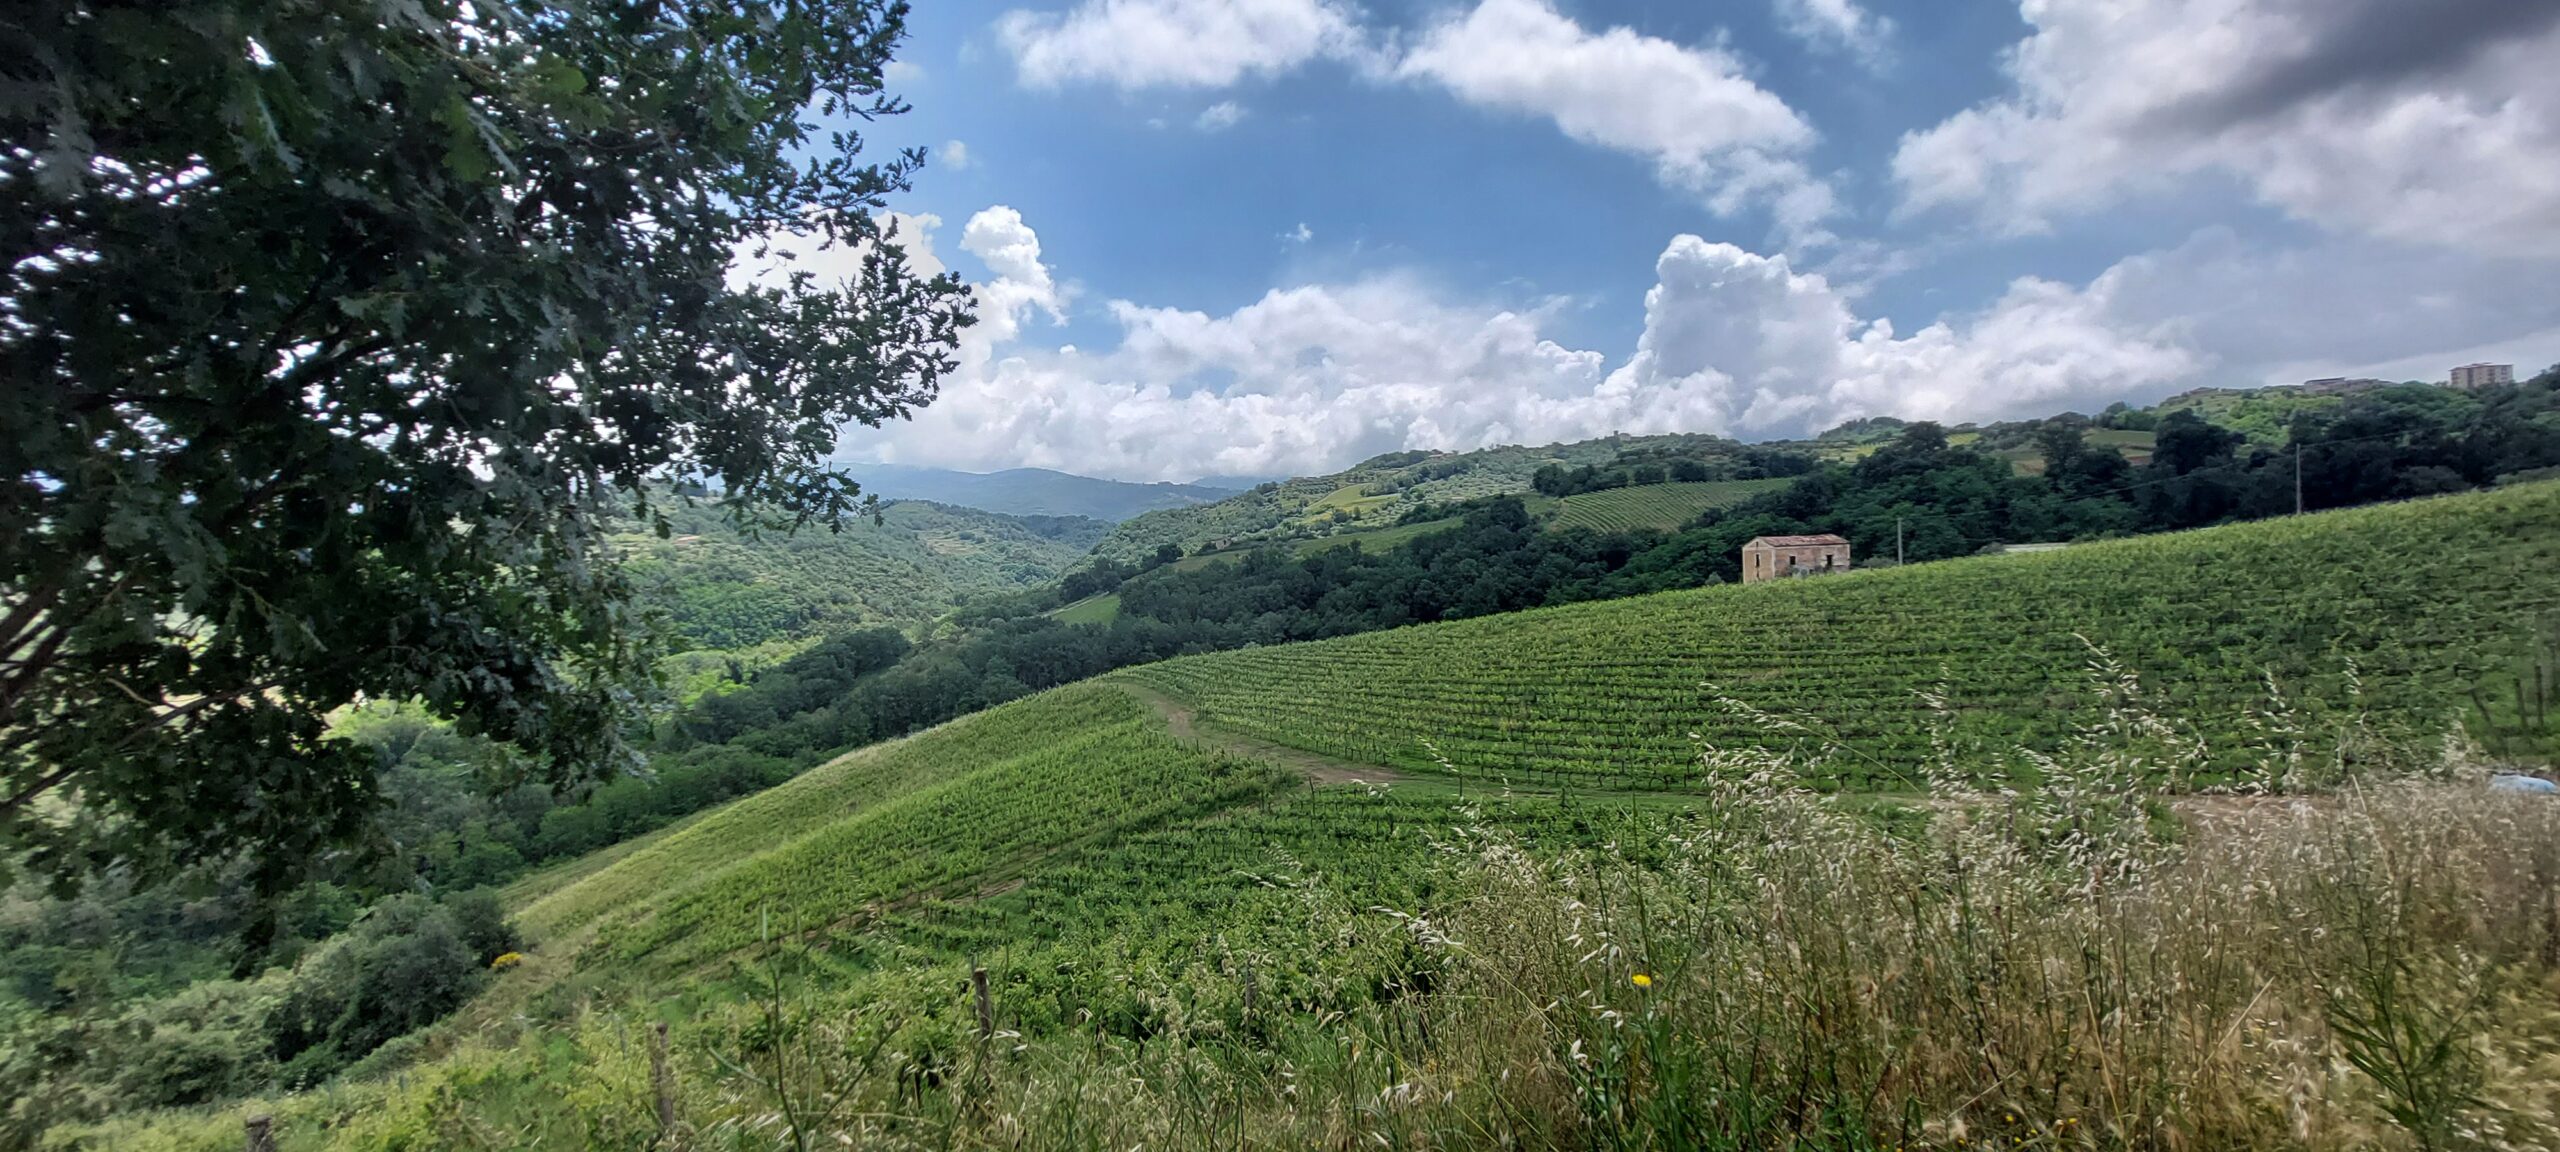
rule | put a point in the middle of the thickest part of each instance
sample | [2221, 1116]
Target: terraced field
[986, 824]
[2416, 599]
[1661, 507]
[1132, 884]
[2420, 600]
[1010, 773]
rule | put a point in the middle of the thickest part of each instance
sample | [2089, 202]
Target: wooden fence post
[986, 1007]
[662, 1082]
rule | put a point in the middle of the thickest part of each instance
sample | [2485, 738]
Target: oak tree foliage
[334, 333]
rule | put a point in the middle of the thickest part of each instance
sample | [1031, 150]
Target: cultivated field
[1938, 919]
[1661, 507]
[2391, 611]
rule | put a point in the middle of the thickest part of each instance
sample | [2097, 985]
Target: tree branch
[42, 785]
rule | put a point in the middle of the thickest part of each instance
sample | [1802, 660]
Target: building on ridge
[2483, 375]
[1773, 557]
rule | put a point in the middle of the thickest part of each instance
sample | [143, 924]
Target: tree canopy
[336, 332]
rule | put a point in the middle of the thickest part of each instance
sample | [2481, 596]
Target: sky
[1276, 237]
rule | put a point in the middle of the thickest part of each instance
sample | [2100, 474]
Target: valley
[1275, 575]
[1205, 842]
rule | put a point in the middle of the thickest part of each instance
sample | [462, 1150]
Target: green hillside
[1377, 492]
[2262, 414]
[1179, 851]
[722, 589]
[1662, 507]
[1032, 491]
[1100, 609]
[2420, 597]
[1372, 539]
[1659, 507]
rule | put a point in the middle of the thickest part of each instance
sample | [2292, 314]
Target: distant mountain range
[1032, 491]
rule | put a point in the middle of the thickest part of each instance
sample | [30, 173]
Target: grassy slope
[1372, 539]
[1662, 507]
[946, 811]
[851, 784]
[1101, 609]
[1148, 869]
[2421, 596]
[1374, 493]
[1604, 696]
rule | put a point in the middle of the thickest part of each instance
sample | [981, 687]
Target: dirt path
[1319, 768]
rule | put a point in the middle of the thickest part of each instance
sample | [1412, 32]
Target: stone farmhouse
[1775, 557]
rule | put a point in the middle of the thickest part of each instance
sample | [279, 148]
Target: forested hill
[1032, 491]
[723, 589]
[1384, 490]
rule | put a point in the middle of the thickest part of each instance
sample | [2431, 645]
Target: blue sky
[1276, 236]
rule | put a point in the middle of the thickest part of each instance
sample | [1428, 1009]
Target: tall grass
[2092, 965]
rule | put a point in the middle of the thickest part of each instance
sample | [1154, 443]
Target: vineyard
[2395, 611]
[2404, 606]
[1124, 877]
[958, 807]
[1661, 507]
[848, 786]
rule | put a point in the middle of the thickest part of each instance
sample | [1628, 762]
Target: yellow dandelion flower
[1641, 980]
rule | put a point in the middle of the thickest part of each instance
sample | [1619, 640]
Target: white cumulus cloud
[1761, 349]
[1010, 249]
[1312, 377]
[772, 262]
[1691, 110]
[2439, 126]
[1131, 44]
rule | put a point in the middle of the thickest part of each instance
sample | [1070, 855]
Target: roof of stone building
[1798, 541]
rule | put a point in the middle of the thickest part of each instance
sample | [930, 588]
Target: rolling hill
[723, 589]
[1379, 491]
[1033, 491]
[2423, 597]
[1252, 853]
[2393, 609]
[1661, 507]
[1657, 507]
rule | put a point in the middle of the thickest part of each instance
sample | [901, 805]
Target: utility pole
[2297, 477]
[1897, 541]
